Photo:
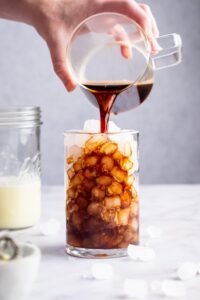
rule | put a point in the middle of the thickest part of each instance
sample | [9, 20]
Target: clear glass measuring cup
[111, 49]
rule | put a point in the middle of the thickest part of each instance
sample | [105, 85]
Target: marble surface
[173, 208]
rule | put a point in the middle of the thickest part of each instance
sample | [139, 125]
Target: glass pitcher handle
[170, 53]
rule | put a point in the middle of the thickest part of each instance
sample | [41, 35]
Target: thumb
[57, 48]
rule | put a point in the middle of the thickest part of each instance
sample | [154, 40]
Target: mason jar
[101, 182]
[20, 182]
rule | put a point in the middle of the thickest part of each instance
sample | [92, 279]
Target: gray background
[168, 122]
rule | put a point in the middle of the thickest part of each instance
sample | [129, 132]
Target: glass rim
[104, 13]
[82, 132]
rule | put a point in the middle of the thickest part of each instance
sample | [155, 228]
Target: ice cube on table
[156, 287]
[87, 275]
[154, 232]
[141, 253]
[172, 288]
[50, 227]
[135, 288]
[102, 271]
[93, 126]
[187, 270]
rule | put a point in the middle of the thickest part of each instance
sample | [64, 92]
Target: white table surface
[173, 208]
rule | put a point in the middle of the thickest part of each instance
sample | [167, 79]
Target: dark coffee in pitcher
[106, 95]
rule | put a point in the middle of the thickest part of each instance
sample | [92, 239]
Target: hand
[56, 19]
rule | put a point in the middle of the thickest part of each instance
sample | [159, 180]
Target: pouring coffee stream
[106, 93]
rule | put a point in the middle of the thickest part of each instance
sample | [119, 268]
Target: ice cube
[141, 253]
[75, 138]
[75, 151]
[50, 227]
[102, 271]
[133, 252]
[187, 270]
[154, 232]
[156, 287]
[87, 275]
[112, 127]
[135, 288]
[172, 288]
[93, 126]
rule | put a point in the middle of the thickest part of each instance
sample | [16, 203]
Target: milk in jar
[19, 202]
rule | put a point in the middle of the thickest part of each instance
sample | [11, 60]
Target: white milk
[20, 202]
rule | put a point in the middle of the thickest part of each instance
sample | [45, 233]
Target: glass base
[96, 253]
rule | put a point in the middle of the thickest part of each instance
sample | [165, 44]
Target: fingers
[57, 49]
[129, 8]
[139, 14]
[154, 26]
[154, 32]
[121, 36]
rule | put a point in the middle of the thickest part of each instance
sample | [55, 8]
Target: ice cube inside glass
[101, 181]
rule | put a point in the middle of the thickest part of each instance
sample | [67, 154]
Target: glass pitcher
[111, 49]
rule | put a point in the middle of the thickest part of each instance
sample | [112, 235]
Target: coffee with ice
[102, 209]
[102, 192]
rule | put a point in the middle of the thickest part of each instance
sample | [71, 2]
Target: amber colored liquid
[106, 94]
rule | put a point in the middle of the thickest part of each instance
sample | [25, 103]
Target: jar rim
[19, 109]
[20, 116]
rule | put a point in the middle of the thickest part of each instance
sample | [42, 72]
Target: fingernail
[127, 52]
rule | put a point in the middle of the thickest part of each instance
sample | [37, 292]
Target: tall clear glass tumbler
[101, 183]
[20, 183]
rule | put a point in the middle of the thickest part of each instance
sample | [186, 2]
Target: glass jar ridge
[25, 116]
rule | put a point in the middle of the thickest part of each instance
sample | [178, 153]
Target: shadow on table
[54, 250]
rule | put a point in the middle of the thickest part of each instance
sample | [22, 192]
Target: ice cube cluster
[169, 288]
[139, 288]
[101, 193]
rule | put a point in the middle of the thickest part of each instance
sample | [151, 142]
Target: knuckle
[127, 4]
[144, 23]
[145, 7]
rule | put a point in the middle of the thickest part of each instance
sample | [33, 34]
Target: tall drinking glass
[101, 182]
